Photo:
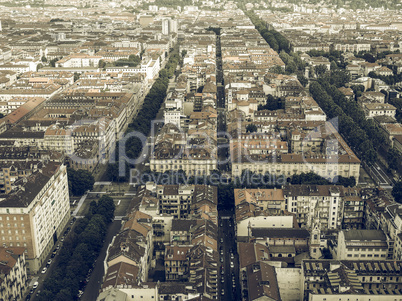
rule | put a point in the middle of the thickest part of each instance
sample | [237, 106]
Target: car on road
[222, 292]
[35, 285]
[231, 255]
[80, 293]
[221, 259]
[58, 247]
[221, 239]
[231, 264]
[49, 261]
[62, 239]
[44, 270]
[31, 291]
[28, 297]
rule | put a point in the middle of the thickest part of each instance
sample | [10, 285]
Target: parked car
[44, 270]
[49, 261]
[28, 297]
[35, 285]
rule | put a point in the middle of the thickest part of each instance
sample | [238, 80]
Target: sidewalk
[79, 204]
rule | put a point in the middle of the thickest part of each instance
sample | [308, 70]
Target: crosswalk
[116, 218]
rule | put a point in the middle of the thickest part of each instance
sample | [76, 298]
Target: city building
[13, 273]
[362, 245]
[34, 215]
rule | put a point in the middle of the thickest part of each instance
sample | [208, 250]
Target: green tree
[106, 207]
[76, 76]
[320, 70]
[291, 67]
[135, 59]
[277, 70]
[53, 62]
[272, 103]
[302, 79]
[251, 128]
[44, 59]
[101, 64]
[397, 192]
[79, 181]
[369, 57]
[393, 158]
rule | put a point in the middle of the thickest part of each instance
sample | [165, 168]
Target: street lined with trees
[79, 252]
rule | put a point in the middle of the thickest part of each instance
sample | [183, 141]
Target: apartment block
[362, 245]
[33, 216]
[359, 280]
[13, 273]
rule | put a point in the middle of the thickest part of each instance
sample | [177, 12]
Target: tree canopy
[79, 181]
[397, 192]
[79, 251]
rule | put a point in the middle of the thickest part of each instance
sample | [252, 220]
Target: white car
[44, 270]
[49, 261]
[35, 285]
